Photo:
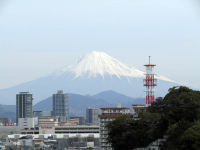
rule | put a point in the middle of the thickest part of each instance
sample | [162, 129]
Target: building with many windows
[60, 106]
[76, 129]
[92, 116]
[24, 104]
[109, 114]
[27, 123]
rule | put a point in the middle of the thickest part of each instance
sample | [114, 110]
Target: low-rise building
[27, 123]
[47, 122]
[71, 122]
[81, 120]
[53, 141]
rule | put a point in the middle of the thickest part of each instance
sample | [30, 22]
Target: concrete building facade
[60, 106]
[92, 116]
[107, 115]
[24, 105]
[27, 123]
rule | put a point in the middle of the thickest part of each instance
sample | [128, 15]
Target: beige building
[47, 122]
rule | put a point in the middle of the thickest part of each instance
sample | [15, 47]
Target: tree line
[176, 117]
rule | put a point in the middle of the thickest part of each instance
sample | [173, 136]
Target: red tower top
[149, 62]
[150, 82]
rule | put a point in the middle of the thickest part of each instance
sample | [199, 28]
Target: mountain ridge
[67, 80]
[78, 103]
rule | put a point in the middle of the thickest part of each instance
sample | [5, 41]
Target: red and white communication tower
[150, 82]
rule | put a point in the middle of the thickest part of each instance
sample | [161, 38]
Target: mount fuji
[92, 74]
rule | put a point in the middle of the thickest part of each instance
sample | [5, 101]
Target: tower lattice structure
[150, 82]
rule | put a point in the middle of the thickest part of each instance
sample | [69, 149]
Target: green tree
[175, 115]
[119, 134]
[126, 133]
[181, 108]
[181, 104]
[190, 139]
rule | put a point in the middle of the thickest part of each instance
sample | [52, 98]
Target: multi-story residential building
[92, 116]
[107, 115]
[24, 105]
[60, 106]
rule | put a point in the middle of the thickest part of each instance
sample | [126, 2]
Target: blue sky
[40, 36]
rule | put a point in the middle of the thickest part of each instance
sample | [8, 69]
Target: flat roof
[58, 136]
[116, 108]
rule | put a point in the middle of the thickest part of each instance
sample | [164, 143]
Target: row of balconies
[69, 129]
[76, 131]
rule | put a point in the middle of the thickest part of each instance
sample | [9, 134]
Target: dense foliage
[177, 116]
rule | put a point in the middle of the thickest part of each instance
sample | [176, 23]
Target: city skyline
[38, 38]
[101, 74]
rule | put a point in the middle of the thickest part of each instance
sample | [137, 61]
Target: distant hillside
[79, 103]
[8, 111]
[94, 73]
[114, 97]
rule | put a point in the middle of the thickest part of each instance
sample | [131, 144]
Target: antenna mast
[150, 82]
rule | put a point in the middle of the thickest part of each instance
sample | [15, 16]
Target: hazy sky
[40, 36]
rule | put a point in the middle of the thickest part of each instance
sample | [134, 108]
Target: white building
[27, 123]
[107, 115]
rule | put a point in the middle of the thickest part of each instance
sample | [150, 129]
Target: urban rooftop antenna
[150, 82]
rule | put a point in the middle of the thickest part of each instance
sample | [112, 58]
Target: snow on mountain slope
[99, 63]
[95, 73]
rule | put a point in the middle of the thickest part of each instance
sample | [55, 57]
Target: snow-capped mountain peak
[94, 73]
[100, 63]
